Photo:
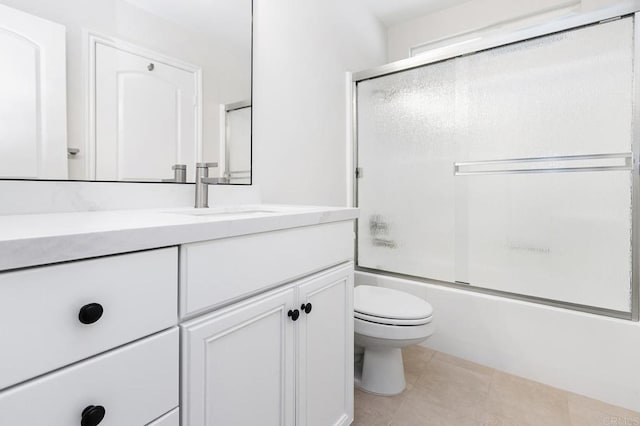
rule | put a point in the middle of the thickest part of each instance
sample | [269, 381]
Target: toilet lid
[384, 302]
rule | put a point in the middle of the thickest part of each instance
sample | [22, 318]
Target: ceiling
[391, 12]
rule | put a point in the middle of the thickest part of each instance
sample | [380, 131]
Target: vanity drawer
[40, 309]
[217, 272]
[134, 384]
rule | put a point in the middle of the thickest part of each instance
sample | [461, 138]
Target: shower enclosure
[508, 165]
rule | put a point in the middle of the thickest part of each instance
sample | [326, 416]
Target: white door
[146, 115]
[325, 351]
[238, 365]
[33, 111]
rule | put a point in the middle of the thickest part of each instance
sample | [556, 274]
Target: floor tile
[415, 360]
[591, 412]
[469, 365]
[494, 420]
[443, 390]
[374, 410]
[416, 410]
[522, 401]
[453, 384]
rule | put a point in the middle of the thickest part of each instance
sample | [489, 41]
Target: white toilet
[386, 320]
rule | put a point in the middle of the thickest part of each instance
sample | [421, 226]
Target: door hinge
[359, 172]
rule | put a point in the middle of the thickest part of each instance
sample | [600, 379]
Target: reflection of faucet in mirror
[203, 181]
[179, 174]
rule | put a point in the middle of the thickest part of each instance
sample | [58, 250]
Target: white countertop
[40, 239]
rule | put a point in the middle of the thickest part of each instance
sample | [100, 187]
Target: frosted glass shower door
[508, 170]
[406, 151]
[533, 225]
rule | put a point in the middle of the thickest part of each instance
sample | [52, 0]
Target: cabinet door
[238, 364]
[325, 350]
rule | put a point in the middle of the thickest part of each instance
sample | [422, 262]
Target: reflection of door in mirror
[146, 115]
[131, 91]
[33, 139]
[235, 146]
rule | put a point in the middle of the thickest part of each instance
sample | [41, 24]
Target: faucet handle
[206, 165]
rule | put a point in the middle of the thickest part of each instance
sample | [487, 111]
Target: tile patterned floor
[445, 390]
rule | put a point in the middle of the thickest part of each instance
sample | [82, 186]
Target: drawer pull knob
[294, 314]
[92, 415]
[306, 307]
[90, 313]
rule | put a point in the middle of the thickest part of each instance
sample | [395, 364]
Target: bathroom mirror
[125, 90]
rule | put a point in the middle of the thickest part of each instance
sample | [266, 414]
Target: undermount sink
[225, 211]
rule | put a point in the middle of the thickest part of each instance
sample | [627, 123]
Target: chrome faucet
[202, 184]
[179, 174]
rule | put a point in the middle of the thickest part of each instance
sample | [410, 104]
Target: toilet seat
[391, 321]
[390, 307]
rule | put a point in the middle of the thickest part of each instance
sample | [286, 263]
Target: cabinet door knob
[92, 415]
[294, 314]
[306, 307]
[90, 313]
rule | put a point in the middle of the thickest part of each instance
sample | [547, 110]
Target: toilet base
[382, 371]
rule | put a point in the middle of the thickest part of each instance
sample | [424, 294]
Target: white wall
[476, 15]
[302, 50]
[120, 19]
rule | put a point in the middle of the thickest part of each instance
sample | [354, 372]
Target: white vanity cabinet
[251, 327]
[267, 361]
